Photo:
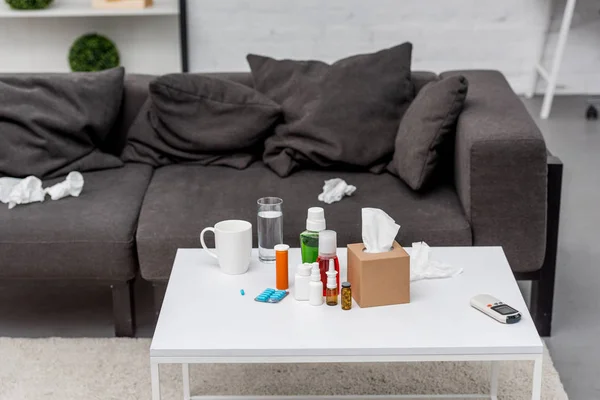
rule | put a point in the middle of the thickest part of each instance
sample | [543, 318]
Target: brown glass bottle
[331, 297]
[346, 296]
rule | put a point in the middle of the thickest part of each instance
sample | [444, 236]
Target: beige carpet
[111, 369]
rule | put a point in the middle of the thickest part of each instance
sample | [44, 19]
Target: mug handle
[204, 244]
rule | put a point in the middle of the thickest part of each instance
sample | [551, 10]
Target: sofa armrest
[501, 171]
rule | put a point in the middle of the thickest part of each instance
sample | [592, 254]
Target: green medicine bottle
[309, 239]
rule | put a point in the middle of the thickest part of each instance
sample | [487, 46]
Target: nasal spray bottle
[331, 297]
[315, 287]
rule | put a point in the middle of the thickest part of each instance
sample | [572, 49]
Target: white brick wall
[459, 34]
[507, 35]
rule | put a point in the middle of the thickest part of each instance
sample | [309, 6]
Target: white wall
[580, 71]
[507, 35]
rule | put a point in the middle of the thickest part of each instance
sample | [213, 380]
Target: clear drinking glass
[269, 227]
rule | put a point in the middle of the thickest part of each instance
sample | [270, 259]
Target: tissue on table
[71, 186]
[422, 267]
[21, 191]
[334, 189]
[379, 230]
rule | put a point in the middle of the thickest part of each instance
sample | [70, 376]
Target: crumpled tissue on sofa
[335, 189]
[16, 191]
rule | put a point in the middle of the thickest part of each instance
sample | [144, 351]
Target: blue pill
[242, 292]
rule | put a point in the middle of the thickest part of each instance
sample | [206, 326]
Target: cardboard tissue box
[379, 279]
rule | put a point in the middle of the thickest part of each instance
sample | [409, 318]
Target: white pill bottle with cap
[315, 286]
[302, 282]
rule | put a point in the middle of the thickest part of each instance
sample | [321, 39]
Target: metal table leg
[185, 372]
[494, 380]
[536, 392]
[155, 377]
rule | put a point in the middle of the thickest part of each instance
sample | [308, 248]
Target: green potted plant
[28, 4]
[93, 52]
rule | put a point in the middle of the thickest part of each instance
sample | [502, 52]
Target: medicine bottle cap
[281, 247]
[304, 269]
[327, 242]
[346, 284]
[331, 275]
[315, 274]
[315, 220]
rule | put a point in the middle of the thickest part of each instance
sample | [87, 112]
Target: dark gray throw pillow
[206, 120]
[52, 124]
[341, 115]
[428, 126]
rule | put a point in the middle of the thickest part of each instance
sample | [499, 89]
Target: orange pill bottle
[281, 266]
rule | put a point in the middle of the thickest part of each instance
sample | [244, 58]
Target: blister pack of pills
[271, 296]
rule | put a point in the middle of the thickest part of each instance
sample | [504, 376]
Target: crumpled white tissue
[421, 267]
[6, 186]
[334, 189]
[379, 230]
[16, 191]
[21, 191]
[71, 186]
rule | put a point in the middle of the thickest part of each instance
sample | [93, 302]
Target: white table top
[204, 314]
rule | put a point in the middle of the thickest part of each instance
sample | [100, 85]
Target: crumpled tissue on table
[422, 267]
[335, 189]
[16, 191]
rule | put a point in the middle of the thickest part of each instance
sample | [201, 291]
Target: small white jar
[301, 281]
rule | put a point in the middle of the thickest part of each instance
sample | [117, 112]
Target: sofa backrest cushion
[201, 119]
[52, 124]
[344, 114]
[427, 130]
[136, 93]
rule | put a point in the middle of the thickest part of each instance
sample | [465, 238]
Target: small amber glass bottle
[346, 296]
[331, 298]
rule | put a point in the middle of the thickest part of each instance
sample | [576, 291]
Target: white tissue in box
[379, 230]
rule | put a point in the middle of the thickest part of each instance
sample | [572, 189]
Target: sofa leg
[542, 299]
[542, 289]
[159, 295]
[123, 309]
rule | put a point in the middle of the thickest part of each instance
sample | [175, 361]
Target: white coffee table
[205, 319]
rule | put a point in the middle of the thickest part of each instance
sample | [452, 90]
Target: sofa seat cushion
[183, 199]
[88, 237]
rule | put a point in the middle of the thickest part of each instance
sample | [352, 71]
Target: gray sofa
[504, 190]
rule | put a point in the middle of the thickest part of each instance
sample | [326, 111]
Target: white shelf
[83, 8]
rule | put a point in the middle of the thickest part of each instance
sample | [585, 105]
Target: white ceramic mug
[233, 245]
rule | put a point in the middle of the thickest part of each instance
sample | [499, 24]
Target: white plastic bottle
[315, 287]
[301, 281]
